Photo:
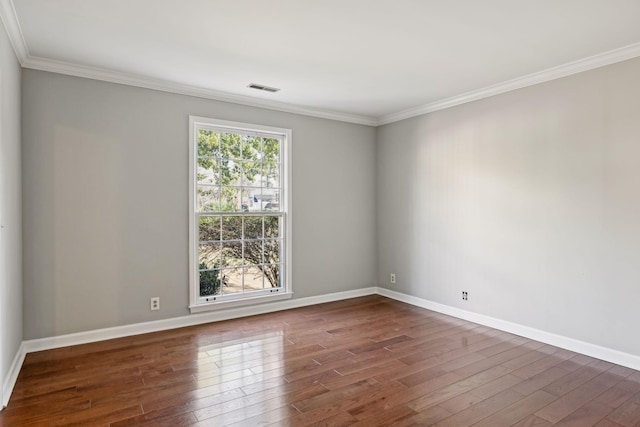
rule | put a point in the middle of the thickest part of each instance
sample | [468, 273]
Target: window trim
[196, 304]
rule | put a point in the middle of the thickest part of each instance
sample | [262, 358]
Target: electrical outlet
[155, 303]
[392, 278]
[465, 295]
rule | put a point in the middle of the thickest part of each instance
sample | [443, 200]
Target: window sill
[218, 305]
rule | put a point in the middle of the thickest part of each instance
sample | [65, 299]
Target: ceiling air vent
[263, 87]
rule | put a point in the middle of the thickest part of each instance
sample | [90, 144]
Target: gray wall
[10, 206]
[105, 202]
[529, 200]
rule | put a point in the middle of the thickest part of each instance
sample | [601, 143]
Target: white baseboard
[12, 375]
[49, 343]
[593, 350]
[189, 320]
[588, 349]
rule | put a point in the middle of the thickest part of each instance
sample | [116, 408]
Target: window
[240, 220]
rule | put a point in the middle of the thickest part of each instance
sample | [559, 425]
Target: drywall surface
[105, 202]
[529, 201]
[10, 207]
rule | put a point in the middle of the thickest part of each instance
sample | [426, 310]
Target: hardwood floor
[367, 361]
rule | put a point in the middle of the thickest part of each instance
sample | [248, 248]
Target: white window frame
[200, 304]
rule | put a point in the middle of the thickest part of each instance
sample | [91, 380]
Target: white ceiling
[367, 61]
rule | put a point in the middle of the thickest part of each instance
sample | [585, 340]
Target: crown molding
[585, 64]
[96, 73]
[12, 25]
[14, 31]
[575, 67]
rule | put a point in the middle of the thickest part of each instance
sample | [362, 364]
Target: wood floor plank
[496, 386]
[479, 409]
[518, 411]
[334, 395]
[411, 393]
[166, 417]
[445, 393]
[368, 372]
[367, 361]
[575, 379]
[579, 397]
[627, 414]
[426, 417]
[366, 396]
[586, 415]
[532, 421]
[540, 380]
[383, 417]
[542, 364]
[621, 393]
[607, 423]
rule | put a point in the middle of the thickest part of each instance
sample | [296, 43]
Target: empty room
[292, 213]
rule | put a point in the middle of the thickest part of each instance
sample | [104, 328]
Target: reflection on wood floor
[366, 361]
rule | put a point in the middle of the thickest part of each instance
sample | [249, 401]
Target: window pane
[208, 199]
[272, 275]
[231, 199]
[271, 174]
[253, 278]
[273, 200]
[231, 227]
[254, 199]
[271, 149]
[210, 283]
[209, 228]
[230, 171]
[251, 173]
[252, 227]
[264, 199]
[253, 252]
[230, 145]
[231, 254]
[272, 226]
[272, 251]
[245, 201]
[208, 171]
[207, 143]
[251, 147]
[209, 255]
[231, 280]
